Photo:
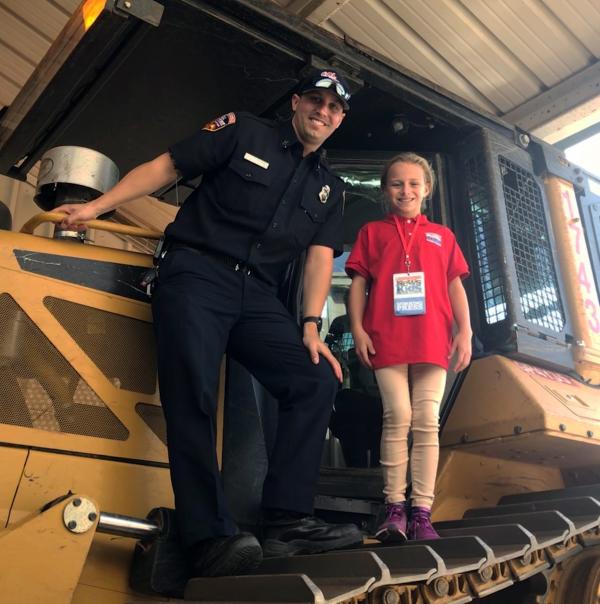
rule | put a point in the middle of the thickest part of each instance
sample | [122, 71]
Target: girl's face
[405, 189]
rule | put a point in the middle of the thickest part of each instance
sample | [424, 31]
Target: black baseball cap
[326, 79]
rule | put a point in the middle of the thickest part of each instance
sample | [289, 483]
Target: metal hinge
[541, 335]
[148, 11]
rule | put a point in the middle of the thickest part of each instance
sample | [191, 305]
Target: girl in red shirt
[412, 270]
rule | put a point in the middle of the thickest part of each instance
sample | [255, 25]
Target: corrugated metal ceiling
[506, 56]
[27, 29]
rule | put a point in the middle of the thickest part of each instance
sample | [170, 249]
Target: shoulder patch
[220, 122]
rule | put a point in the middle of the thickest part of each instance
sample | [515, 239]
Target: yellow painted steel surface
[469, 480]
[41, 560]
[102, 225]
[12, 462]
[574, 258]
[30, 294]
[122, 488]
[517, 411]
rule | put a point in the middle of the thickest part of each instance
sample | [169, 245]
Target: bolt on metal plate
[79, 515]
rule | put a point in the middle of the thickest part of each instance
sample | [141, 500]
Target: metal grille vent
[122, 347]
[154, 418]
[38, 387]
[538, 286]
[484, 233]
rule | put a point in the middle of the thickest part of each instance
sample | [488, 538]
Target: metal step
[591, 490]
[548, 527]
[335, 574]
[505, 541]
[583, 512]
[482, 553]
[359, 483]
[263, 589]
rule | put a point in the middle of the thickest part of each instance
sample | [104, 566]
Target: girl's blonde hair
[411, 158]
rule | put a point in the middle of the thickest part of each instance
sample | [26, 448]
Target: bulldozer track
[488, 550]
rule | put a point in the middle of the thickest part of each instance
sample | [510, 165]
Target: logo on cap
[330, 74]
[329, 80]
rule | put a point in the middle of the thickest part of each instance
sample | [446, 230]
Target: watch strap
[311, 319]
[318, 321]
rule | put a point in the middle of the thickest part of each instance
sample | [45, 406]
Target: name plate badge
[257, 161]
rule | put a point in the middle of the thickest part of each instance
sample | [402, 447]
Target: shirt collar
[288, 139]
[390, 218]
[287, 135]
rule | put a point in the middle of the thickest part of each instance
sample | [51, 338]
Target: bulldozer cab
[82, 437]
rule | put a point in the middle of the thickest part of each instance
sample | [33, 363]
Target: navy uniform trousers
[203, 308]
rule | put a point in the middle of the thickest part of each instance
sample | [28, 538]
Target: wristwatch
[316, 320]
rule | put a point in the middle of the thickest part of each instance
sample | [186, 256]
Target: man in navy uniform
[267, 195]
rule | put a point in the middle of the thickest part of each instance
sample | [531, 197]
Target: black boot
[306, 535]
[224, 556]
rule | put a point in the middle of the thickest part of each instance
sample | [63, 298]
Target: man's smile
[318, 120]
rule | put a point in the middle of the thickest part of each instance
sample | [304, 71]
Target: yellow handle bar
[101, 225]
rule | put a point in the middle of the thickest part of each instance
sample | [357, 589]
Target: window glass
[355, 427]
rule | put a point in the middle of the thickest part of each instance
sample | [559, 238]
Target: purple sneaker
[419, 527]
[394, 526]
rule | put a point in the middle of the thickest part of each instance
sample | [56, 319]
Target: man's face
[317, 115]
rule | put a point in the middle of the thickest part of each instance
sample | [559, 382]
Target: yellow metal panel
[120, 488]
[12, 462]
[28, 291]
[84, 594]
[504, 398]
[466, 480]
[552, 449]
[582, 296]
[41, 559]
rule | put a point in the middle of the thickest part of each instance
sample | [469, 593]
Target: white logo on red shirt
[434, 238]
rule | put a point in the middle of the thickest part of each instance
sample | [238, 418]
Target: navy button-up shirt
[259, 201]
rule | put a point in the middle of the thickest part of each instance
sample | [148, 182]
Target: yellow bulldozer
[85, 497]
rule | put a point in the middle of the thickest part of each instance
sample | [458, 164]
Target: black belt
[230, 261]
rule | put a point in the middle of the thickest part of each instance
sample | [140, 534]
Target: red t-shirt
[379, 253]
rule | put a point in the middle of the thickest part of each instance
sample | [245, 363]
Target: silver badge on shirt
[324, 193]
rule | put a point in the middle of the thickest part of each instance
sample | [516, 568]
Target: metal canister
[71, 174]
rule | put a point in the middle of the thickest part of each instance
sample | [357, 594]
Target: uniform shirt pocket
[312, 215]
[315, 210]
[249, 172]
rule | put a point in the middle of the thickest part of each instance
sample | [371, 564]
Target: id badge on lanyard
[408, 288]
[409, 294]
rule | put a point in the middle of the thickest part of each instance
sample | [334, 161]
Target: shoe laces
[421, 517]
[395, 510]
